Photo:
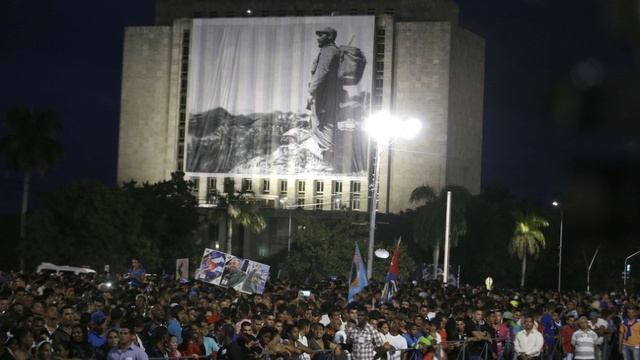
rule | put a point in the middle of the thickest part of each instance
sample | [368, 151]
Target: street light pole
[557, 204]
[381, 128]
[625, 270]
[373, 209]
[286, 205]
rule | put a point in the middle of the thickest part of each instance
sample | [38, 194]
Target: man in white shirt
[397, 343]
[529, 341]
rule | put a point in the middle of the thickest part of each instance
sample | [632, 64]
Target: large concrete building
[422, 65]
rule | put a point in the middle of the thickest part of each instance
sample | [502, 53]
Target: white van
[63, 269]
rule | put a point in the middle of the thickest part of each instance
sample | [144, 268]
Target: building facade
[420, 64]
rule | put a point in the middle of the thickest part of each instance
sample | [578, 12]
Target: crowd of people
[45, 316]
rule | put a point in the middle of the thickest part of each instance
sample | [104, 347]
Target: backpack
[352, 64]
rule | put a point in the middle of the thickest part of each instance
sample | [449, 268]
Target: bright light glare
[382, 127]
[108, 284]
[555, 203]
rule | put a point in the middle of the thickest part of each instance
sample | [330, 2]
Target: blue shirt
[131, 353]
[95, 339]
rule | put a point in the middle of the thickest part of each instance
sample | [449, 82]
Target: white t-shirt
[396, 342]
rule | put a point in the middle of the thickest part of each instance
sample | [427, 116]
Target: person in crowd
[24, 342]
[63, 332]
[565, 334]
[137, 274]
[629, 343]
[44, 351]
[585, 341]
[159, 340]
[365, 341]
[80, 348]
[126, 349]
[529, 342]
[172, 348]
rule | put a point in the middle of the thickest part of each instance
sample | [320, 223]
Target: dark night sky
[67, 56]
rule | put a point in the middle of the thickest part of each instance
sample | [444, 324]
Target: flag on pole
[357, 275]
[391, 281]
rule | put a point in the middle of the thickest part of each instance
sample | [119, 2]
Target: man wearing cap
[324, 89]
[96, 334]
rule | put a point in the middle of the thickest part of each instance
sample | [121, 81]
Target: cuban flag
[391, 281]
[357, 276]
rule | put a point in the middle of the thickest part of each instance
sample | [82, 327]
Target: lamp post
[557, 204]
[625, 270]
[384, 130]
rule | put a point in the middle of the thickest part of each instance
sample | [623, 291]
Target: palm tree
[527, 238]
[32, 146]
[237, 207]
[429, 228]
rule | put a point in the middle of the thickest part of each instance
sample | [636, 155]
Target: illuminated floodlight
[383, 127]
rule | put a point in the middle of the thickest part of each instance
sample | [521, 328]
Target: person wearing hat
[324, 90]
[96, 335]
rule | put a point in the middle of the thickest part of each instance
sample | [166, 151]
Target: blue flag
[357, 275]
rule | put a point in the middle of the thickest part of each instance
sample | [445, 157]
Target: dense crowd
[45, 316]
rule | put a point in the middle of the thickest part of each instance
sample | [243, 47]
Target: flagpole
[445, 270]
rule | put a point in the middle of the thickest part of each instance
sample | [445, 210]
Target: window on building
[337, 187]
[355, 187]
[247, 184]
[196, 183]
[319, 187]
[181, 133]
[300, 202]
[355, 202]
[371, 11]
[301, 186]
[283, 187]
[266, 184]
[318, 205]
[212, 183]
[336, 204]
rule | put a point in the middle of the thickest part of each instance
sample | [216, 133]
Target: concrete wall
[144, 104]
[421, 91]
[466, 97]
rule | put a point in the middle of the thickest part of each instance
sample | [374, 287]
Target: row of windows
[247, 185]
[285, 12]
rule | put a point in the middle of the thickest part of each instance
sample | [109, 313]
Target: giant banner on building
[226, 270]
[279, 96]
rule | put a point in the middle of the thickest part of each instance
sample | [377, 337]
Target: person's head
[173, 343]
[234, 265]
[632, 312]
[24, 338]
[517, 315]
[477, 315]
[278, 325]
[293, 333]
[571, 321]
[66, 316]
[157, 313]
[528, 322]
[245, 328]
[383, 327]
[227, 331]
[78, 334]
[160, 335]
[583, 323]
[61, 349]
[266, 335]
[126, 334]
[269, 319]
[412, 329]
[326, 36]
[136, 263]
[44, 350]
[112, 338]
[257, 322]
